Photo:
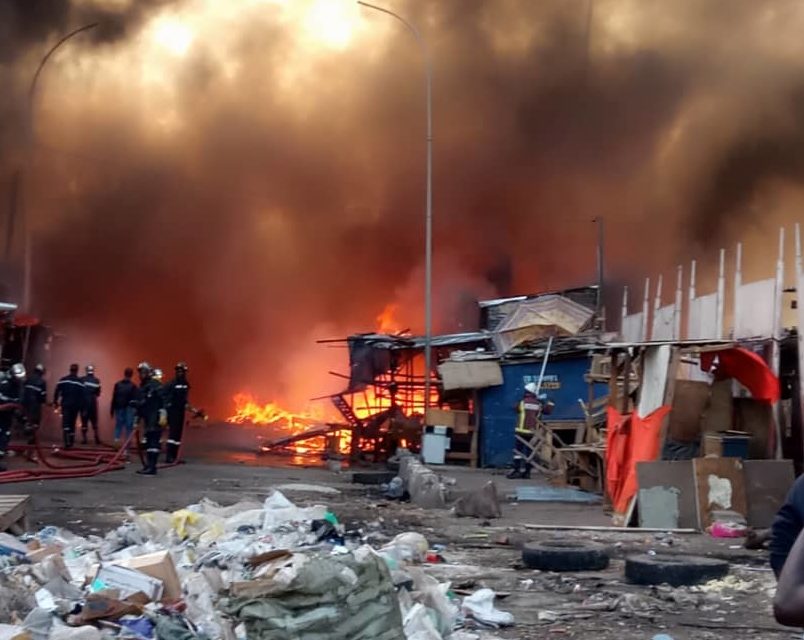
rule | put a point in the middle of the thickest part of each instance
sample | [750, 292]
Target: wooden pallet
[14, 512]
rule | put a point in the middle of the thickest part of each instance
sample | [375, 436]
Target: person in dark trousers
[33, 397]
[177, 393]
[89, 412]
[11, 390]
[69, 397]
[787, 526]
[121, 407]
[152, 416]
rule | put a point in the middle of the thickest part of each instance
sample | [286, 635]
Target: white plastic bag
[480, 606]
[408, 547]
[418, 625]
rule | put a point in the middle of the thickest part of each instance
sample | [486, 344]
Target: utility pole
[31, 143]
[600, 265]
[428, 216]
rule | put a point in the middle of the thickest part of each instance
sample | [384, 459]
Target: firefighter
[121, 409]
[11, 390]
[177, 394]
[69, 397]
[33, 397]
[152, 416]
[89, 412]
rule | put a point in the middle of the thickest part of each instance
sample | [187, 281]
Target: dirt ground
[477, 553]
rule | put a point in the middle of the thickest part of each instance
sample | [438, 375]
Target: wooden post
[678, 305]
[645, 310]
[657, 304]
[691, 299]
[738, 283]
[776, 342]
[624, 313]
[721, 294]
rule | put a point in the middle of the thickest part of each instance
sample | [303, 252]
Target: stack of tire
[645, 569]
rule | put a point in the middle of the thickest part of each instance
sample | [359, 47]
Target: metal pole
[28, 257]
[600, 265]
[428, 247]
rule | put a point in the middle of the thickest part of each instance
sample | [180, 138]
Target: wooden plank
[558, 527]
[14, 513]
[767, 483]
[689, 405]
[675, 475]
[719, 486]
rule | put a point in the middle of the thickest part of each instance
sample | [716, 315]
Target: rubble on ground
[266, 569]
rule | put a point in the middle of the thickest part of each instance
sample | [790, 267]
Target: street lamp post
[27, 258]
[428, 218]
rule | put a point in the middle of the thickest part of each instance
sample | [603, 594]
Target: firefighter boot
[170, 453]
[521, 469]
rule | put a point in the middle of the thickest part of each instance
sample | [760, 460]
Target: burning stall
[384, 399]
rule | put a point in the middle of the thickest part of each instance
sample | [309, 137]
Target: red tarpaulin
[746, 367]
[617, 430]
[643, 446]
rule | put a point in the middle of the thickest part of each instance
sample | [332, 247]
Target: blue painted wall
[563, 383]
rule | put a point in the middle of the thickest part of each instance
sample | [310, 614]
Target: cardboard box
[37, 555]
[160, 566]
[127, 582]
[439, 418]
[461, 421]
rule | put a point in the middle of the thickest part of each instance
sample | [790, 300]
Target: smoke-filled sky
[223, 181]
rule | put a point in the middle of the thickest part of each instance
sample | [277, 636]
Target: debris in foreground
[250, 570]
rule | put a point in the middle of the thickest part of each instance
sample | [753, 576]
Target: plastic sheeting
[746, 367]
[331, 598]
[550, 315]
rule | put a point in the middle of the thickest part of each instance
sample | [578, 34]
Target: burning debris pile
[250, 570]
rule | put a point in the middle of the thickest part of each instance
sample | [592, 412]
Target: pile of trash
[250, 570]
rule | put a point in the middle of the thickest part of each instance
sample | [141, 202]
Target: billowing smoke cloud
[223, 181]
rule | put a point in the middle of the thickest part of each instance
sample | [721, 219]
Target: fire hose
[99, 464]
[92, 462]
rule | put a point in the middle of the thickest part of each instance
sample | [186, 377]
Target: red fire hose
[91, 461]
[92, 465]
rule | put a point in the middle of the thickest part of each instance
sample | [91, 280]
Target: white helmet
[157, 375]
[531, 387]
[18, 371]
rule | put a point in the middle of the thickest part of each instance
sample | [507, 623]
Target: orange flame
[249, 411]
[387, 322]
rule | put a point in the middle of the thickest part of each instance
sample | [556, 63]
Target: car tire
[677, 571]
[565, 555]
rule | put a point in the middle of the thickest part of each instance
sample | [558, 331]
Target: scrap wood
[316, 432]
[261, 558]
[559, 527]
[711, 624]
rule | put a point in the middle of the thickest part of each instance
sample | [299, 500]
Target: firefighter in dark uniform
[177, 393]
[33, 397]
[11, 389]
[70, 397]
[89, 412]
[151, 415]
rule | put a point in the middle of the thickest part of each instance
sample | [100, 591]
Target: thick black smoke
[259, 186]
